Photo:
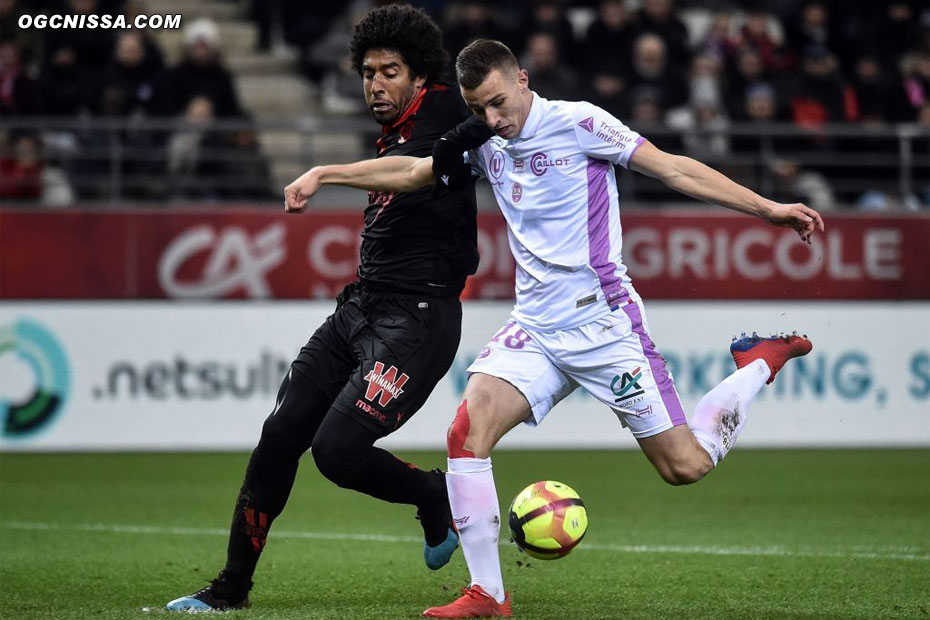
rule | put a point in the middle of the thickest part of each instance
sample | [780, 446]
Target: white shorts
[613, 358]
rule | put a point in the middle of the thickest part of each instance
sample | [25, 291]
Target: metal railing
[120, 160]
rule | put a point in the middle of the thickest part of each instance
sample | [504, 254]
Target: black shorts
[378, 356]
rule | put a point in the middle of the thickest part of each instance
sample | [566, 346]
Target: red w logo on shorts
[387, 384]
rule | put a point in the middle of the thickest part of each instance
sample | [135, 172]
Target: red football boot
[775, 350]
[474, 603]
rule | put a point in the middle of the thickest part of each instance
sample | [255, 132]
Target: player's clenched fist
[300, 190]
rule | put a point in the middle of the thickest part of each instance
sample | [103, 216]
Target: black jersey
[420, 241]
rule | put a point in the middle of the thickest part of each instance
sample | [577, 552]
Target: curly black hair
[406, 30]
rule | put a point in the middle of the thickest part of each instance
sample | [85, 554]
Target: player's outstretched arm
[387, 174]
[702, 182]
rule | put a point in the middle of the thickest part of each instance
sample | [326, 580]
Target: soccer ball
[547, 520]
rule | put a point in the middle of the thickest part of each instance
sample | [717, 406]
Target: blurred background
[140, 169]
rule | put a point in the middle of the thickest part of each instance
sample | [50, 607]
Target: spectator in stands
[793, 184]
[152, 50]
[473, 19]
[820, 95]
[200, 74]
[551, 77]
[184, 149]
[747, 71]
[128, 85]
[18, 89]
[608, 89]
[233, 163]
[658, 17]
[28, 40]
[719, 41]
[759, 34]
[703, 123]
[302, 28]
[898, 27]
[877, 98]
[339, 85]
[25, 175]
[608, 43]
[92, 47]
[915, 68]
[652, 69]
[761, 104]
[62, 89]
[811, 28]
[548, 16]
[207, 163]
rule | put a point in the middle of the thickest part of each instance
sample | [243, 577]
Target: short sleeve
[602, 136]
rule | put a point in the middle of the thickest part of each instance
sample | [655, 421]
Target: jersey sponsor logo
[518, 165]
[385, 386]
[496, 165]
[540, 162]
[587, 124]
[629, 387]
[613, 136]
[445, 179]
[516, 192]
[236, 260]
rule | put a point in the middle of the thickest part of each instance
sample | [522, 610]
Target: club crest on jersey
[626, 386]
[496, 166]
[385, 386]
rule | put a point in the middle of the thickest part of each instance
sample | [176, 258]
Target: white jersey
[557, 189]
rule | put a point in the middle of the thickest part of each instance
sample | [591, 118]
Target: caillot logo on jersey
[385, 386]
[34, 378]
[626, 386]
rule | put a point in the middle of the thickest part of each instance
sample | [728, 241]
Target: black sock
[269, 477]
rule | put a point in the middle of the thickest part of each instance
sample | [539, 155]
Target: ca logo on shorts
[628, 385]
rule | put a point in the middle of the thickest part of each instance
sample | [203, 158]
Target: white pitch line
[898, 553]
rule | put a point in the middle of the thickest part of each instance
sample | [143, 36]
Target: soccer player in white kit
[577, 321]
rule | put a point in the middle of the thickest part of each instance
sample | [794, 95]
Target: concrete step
[274, 95]
[192, 9]
[291, 153]
[237, 38]
[259, 63]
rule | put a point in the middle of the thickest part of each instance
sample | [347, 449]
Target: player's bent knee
[470, 435]
[333, 463]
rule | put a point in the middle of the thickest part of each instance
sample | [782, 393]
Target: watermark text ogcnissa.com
[83, 20]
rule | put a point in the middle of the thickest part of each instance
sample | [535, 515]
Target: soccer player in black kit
[394, 332]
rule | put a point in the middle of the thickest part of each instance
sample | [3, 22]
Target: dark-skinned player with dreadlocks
[395, 330]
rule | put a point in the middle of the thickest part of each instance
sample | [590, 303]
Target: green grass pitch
[771, 534]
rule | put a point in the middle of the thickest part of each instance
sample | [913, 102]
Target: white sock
[721, 414]
[473, 499]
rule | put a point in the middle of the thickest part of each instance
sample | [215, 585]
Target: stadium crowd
[694, 76]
